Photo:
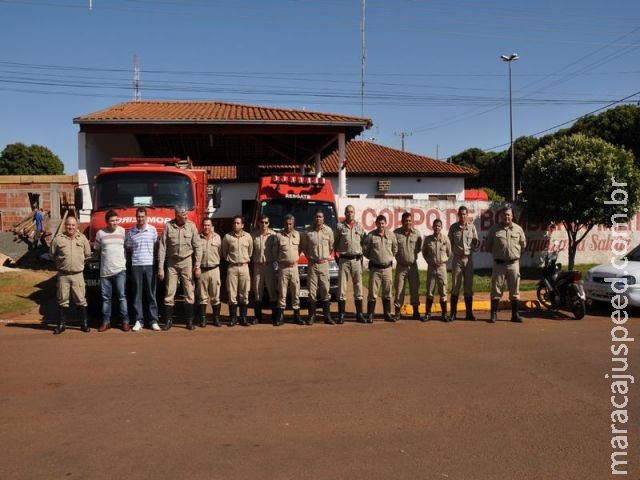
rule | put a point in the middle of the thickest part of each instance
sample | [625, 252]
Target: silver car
[605, 281]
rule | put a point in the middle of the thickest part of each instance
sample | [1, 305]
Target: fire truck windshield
[301, 210]
[143, 189]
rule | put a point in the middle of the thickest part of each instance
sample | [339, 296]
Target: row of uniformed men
[275, 268]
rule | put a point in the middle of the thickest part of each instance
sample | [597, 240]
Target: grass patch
[24, 290]
[529, 277]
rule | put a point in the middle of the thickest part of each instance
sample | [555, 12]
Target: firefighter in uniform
[348, 239]
[464, 241]
[436, 250]
[69, 250]
[209, 281]
[264, 276]
[409, 247]
[506, 241]
[380, 247]
[286, 252]
[237, 248]
[316, 244]
[180, 247]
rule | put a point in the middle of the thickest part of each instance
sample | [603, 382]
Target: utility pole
[136, 78]
[402, 135]
[363, 58]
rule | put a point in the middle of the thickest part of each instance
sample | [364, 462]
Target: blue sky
[432, 70]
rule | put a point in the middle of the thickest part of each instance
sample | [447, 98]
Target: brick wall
[15, 190]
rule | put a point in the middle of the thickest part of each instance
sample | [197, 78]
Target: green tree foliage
[569, 181]
[488, 165]
[20, 159]
[619, 126]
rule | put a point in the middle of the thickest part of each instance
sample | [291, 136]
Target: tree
[20, 159]
[570, 179]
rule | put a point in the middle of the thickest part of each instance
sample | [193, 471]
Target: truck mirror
[78, 198]
[214, 193]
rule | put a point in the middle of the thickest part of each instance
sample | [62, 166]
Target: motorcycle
[561, 290]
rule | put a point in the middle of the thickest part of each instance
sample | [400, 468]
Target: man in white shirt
[113, 270]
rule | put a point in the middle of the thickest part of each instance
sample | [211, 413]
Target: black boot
[62, 321]
[277, 317]
[371, 310]
[216, 315]
[233, 314]
[494, 310]
[359, 315]
[257, 312]
[312, 312]
[386, 308]
[274, 313]
[443, 308]
[243, 315]
[341, 309]
[168, 317]
[427, 312]
[326, 312]
[416, 311]
[468, 303]
[188, 315]
[84, 319]
[454, 306]
[396, 317]
[202, 314]
[296, 317]
[515, 316]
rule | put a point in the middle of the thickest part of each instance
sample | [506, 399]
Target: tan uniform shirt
[348, 239]
[178, 243]
[409, 246]
[317, 244]
[211, 248]
[380, 249]
[286, 249]
[462, 238]
[70, 253]
[506, 243]
[263, 246]
[237, 249]
[436, 251]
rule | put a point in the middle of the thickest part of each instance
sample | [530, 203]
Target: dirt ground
[466, 400]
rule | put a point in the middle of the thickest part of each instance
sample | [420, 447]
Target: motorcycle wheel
[544, 296]
[578, 306]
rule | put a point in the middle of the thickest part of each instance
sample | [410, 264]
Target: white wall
[97, 149]
[420, 187]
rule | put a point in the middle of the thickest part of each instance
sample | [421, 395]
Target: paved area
[467, 400]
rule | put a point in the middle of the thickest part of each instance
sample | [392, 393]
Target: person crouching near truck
[209, 282]
[180, 247]
[317, 243]
[237, 248]
[380, 247]
[286, 252]
[264, 276]
[70, 250]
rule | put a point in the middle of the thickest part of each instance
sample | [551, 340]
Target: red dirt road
[466, 400]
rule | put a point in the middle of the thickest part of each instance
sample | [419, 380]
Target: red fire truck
[299, 195]
[158, 184]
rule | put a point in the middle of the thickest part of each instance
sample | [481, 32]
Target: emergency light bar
[297, 180]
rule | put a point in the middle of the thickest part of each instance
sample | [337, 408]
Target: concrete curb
[478, 305]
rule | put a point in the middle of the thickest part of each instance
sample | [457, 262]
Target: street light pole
[511, 58]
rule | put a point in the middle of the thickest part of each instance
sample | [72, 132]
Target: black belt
[350, 257]
[206, 269]
[380, 266]
[499, 261]
[66, 272]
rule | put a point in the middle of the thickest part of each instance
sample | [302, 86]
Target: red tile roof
[367, 158]
[212, 112]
